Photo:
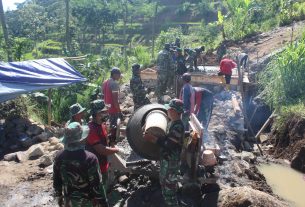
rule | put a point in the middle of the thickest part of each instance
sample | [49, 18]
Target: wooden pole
[49, 106]
[265, 125]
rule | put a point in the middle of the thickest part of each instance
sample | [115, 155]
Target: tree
[4, 28]
[68, 37]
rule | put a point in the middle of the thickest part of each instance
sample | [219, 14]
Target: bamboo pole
[265, 125]
[49, 106]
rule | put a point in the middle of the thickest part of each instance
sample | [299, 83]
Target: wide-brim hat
[75, 133]
[76, 109]
[98, 106]
[175, 104]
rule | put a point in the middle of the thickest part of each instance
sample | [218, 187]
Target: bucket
[156, 123]
[208, 158]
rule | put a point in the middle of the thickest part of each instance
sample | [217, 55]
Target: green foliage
[169, 36]
[142, 55]
[292, 12]
[283, 80]
[50, 47]
[288, 113]
[21, 46]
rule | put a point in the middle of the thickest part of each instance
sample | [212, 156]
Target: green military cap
[175, 104]
[76, 109]
[98, 106]
[75, 133]
[179, 49]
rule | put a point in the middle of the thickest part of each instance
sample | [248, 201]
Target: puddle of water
[285, 182]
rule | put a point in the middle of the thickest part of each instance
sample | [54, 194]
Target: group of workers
[172, 63]
[81, 169]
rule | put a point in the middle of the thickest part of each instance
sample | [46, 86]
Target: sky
[10, 4]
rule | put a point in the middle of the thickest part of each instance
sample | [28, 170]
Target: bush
[50, 47]
[283, 80]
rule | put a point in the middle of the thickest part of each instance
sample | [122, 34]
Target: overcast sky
[10, 4]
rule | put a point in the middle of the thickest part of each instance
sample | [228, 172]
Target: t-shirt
[98, 135]
[226, 66]
[109, 87]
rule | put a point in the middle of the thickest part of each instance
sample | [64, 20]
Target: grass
[283, 80]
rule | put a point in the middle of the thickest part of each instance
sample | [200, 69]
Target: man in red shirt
[97, 142]
[226, 66]
[111, 90]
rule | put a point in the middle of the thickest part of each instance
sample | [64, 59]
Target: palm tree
[4, 28]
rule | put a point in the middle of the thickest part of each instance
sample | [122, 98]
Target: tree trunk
[153, 32]
[68, 38]
[124, 34]
[4, 28]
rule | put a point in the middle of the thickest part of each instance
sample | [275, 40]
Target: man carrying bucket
[170, 150]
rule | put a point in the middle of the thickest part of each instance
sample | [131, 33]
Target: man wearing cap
[77, 114]
[164, 66]
[137, 88]
[111, 90]
[187, 95]
[97, 142]
[170, 150]
[76, 174]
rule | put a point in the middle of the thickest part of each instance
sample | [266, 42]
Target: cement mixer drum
[137, 123]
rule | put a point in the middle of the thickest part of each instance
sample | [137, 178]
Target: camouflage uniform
[191, 56]
[164, 65]
[138, 91]
[76, 172]
[170, 151]
[180, 70]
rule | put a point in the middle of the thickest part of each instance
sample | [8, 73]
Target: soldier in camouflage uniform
[164, 65]
[170, 150]
[191, 54]
[77, 179]
[137, 88]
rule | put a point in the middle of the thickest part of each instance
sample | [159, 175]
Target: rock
[123, 179]
[246, 196]
[42, 137]
[49, 169]
[21, 156]
[53, 141]
[46, 160]
[34, 130]
[35, 151]
[4, 163]
[298, 161]
[59, 146]
[10, 157]
[247, 156]
[221, 129]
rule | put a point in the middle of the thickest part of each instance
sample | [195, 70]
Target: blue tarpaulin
[17, 78]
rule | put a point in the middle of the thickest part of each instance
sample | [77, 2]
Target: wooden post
[265, 125]
[49, 106]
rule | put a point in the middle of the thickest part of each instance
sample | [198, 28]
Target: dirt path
[268, 42]
[25, 183]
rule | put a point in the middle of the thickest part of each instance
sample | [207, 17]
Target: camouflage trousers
[162, 84]
[82, 202]
[185, 119]
[169, 170]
